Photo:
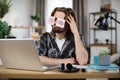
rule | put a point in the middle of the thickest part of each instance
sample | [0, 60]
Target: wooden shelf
[112, 47]
[34, 27]
[109, 28]
[98, 13]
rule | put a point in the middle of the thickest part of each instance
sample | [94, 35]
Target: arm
[54, 61]
[81, 53]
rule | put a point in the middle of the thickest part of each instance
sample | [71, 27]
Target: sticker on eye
[60, 22]
[51, 20]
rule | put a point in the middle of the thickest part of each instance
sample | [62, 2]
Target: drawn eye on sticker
[51, 20]
[60, 22]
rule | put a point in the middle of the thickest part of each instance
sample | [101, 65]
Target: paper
[51, 20]
[79, 66]
[59, 22]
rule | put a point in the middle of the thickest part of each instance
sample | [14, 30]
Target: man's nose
[55, 22]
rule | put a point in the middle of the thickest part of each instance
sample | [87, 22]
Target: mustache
[58, 29]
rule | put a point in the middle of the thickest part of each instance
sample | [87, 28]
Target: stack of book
[113, 68]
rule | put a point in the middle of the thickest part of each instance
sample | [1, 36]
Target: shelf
[109, 28]
[110, 33]
[98, 13]
[32, 30]
[101, 44]
[34, 27]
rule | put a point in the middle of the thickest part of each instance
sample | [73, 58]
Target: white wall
[50, 5]
[93, 6]
[116, 5]
[19, 15]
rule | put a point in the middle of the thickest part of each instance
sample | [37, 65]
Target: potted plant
[4, 7]
[36, 19]
[4, 27]
[104, 58]
[5, 30]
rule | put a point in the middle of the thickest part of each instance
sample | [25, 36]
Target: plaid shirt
[49, 48]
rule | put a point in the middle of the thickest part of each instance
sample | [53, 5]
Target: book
[100, 67]
[104, 69]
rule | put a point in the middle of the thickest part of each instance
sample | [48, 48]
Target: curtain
[80, 7]
[40, 9]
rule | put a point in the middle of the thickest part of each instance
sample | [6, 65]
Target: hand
[69, 60]
[72, 24]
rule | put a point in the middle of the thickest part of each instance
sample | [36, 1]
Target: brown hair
[61, 9]
[71, 12]
[68, 12]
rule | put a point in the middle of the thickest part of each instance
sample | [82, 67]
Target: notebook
[99, 67]
[113, 68]
[21, 54]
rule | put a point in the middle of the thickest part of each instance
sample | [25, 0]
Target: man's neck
[60, 35]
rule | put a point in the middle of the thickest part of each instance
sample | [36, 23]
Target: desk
[53, 74]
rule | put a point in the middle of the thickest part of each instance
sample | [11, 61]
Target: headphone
[68, 68]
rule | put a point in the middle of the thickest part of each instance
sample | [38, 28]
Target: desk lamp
[102, 22]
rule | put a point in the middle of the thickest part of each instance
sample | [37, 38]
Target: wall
[116, 5]
[19, 15]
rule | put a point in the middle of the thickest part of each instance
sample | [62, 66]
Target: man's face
[57, 21]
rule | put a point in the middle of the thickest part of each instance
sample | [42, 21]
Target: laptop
[21, 54]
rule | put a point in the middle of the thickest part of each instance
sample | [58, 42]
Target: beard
[56, 29]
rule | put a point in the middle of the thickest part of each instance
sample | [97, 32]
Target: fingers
[70, 19]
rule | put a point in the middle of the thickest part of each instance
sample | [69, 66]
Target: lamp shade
[102, 22]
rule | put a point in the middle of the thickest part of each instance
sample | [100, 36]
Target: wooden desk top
[54, 74]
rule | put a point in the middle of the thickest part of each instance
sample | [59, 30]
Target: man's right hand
[69, 60]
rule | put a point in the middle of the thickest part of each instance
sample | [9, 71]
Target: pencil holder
[104, 60]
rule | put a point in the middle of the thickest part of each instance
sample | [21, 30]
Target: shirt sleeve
[43, 47]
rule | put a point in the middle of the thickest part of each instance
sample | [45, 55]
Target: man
[63, 45]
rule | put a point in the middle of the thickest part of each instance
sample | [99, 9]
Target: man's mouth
[58, 29]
